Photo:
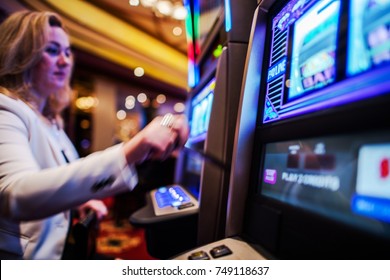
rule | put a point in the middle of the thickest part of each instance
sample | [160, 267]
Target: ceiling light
[179, 12]
[130, 98]
[148, 3]
[134, 2]
[177, 31]
[161, 98]
[86, 102]
[130, 102]
[142, 97]
[179, 107]
[121, 115]
[164, 7]
[139, 71]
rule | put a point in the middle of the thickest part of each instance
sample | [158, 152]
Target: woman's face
[53, 71]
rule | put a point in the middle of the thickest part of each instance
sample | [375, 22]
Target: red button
[385, 168]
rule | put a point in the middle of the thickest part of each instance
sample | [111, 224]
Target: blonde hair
[23, 38]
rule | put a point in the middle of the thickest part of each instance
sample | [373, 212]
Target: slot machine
[310, 170]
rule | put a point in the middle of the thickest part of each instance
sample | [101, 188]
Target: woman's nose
[63, 59]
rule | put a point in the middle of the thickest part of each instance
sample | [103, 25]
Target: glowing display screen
[313, 51]
[346, 178]
[200, 114]
[326, 53]
[369, 36]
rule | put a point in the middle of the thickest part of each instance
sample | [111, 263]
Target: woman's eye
[68, 52]
[53, 50]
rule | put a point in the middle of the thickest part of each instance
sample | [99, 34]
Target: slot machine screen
[325, 54]
[201, 105]
[346, 178]
[199, 118]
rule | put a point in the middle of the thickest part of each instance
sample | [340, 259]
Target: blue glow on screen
[372, 207]
[308, 48]
[314, 47]
[201, 110]
[369, 35]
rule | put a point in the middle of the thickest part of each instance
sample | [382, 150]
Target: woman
[41, 176]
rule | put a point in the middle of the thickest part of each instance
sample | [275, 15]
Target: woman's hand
[97, 206]
[158, 139]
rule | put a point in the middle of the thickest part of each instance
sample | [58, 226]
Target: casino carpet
[116, 237]
[121, 240]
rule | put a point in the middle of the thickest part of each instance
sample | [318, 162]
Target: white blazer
[37, 186]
